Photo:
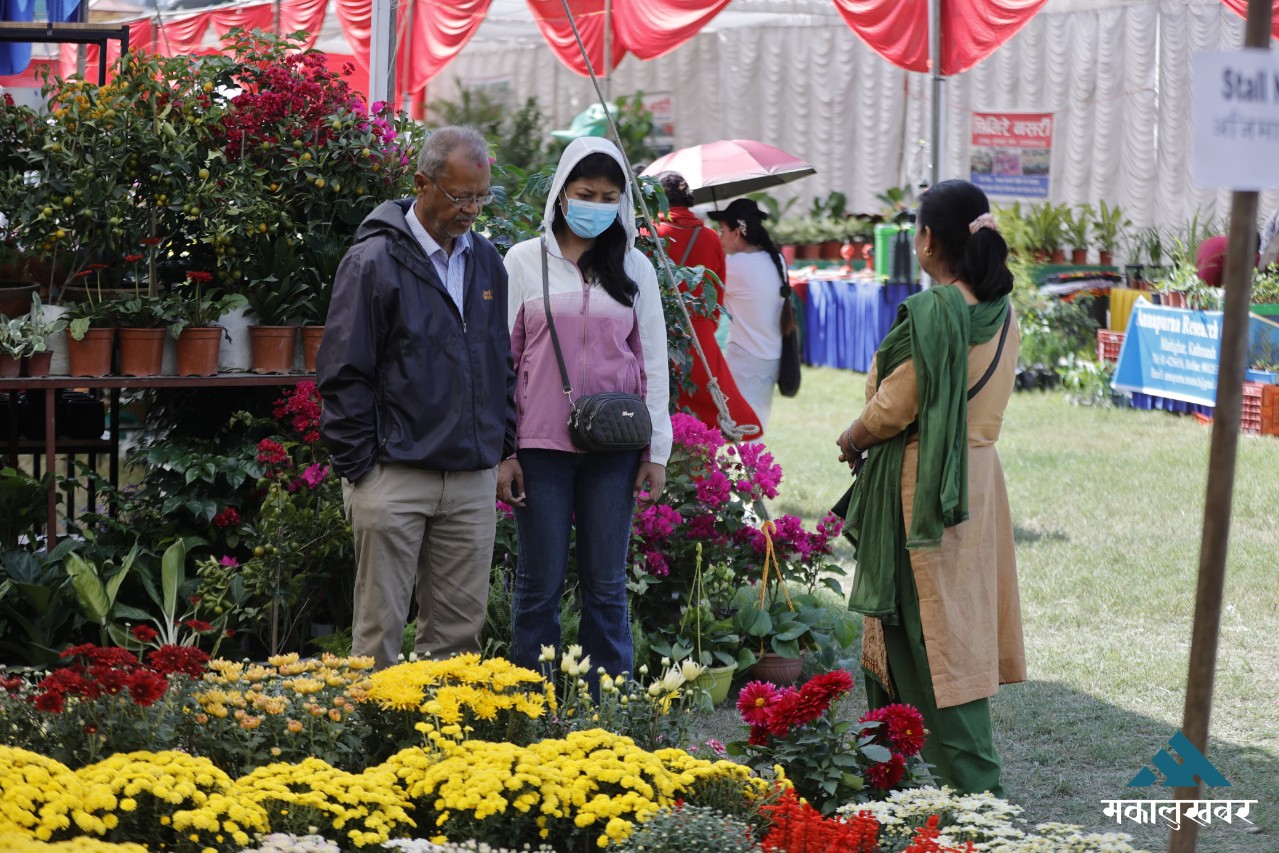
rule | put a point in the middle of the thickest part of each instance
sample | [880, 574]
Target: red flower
[887, 774]
[50, 703]
[145, 687]
[901, 727]
[132, 259]
[226, 518]
[272, 452]
[755, 700]
[198, 625]
[144, 633]
[786, 713]
[758, 736]
[11, 685]
[200, 277]
[150, 241]
[188, 660]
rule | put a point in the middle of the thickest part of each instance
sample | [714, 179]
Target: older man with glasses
[418, 392]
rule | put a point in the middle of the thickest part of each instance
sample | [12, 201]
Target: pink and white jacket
[607, 346]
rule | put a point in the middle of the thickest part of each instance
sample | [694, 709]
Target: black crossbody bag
[598, 423]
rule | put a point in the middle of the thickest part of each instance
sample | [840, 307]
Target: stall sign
[1011, 153]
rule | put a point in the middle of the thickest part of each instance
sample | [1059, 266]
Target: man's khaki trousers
[432, 530]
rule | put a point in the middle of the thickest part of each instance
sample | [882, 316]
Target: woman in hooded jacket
[607, 314]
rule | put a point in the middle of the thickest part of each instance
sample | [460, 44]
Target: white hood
[573, 154]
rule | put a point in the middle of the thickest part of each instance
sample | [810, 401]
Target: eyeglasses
[463, 201]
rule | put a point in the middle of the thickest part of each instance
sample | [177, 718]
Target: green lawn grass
[1108, 509]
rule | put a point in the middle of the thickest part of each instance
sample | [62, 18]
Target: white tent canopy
[1114, 73]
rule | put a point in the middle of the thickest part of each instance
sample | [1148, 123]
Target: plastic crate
[1270, 410]
[1250, 414]
[1108, 345]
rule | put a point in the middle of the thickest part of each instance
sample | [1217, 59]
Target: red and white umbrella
[731, 167]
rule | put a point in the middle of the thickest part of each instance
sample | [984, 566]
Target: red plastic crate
[1270, 410]
[1250, 415]
[1109, 344]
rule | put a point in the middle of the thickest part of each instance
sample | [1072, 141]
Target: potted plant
[1150, 257]
[1265, 292]
[1045, 223]
[1077, 223]
[41, 327]
[1108, 226]
[142, 321]
[275, 295]
[195, 324]
[324, 262]
[15, 345]
[90, 336]
[784, 626]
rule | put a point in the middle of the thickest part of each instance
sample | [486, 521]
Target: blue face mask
[590, 219]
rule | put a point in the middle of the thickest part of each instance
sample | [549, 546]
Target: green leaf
[876, 753]
[790, 631]
[172, 576]
[130, 613]
[753, 622]
[745, 659]
[89, 588]
[786, 648]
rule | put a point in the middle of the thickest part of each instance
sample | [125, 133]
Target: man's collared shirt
[450, 268]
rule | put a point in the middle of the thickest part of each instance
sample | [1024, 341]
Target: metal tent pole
[938, 100]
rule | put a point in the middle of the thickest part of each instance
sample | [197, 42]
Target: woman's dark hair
[980, 258]
[676, 188]
[606, 259]
[757, 235]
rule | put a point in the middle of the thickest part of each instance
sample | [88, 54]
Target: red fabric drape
[1240, 8]
[303, 15]
[654, 28]
[439, 32]
[971, 29]
[258, 17]
[590, 19]
[896, 29]
[180, 36]
[139, 39]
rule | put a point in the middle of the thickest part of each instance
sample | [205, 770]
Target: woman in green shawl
[936, 571]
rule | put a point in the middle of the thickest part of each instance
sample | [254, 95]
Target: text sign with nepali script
[1011, 153]
[1236, 119]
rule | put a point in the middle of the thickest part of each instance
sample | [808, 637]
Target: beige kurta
[968, 599]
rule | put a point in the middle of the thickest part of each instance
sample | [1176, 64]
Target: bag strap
[550, 323]
[913, 426]
[692, 241]
[994, 362]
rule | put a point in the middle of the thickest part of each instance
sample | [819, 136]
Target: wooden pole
[1213, 547]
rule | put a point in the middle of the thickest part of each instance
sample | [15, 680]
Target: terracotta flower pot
[788, 253]
[141, 351]
[91, 356]
[1078, 257]
[15, 296]
[273, 348]
[1104, 258]
[830, 249]
[808, 252]
[9, 366]
[37, 364]
[311, 337]
[198, 350]
[779, 670]
[1058, 256]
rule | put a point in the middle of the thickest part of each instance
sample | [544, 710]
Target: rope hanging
[770, 559]
[731, 430]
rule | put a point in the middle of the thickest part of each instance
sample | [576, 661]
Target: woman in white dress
[755, 291]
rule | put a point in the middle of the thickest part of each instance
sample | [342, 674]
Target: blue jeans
[596, 491]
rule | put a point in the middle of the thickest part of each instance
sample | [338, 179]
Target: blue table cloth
[846, 320]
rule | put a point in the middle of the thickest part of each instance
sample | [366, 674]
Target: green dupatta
[934, 329]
